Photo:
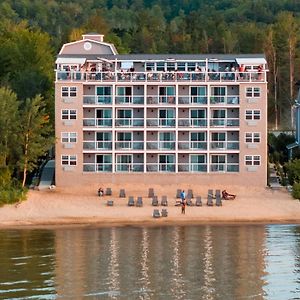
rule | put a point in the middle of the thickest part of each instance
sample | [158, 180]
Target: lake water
[184, 262]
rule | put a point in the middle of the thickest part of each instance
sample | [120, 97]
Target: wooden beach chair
[108, 192]
[164, 212]
[164, 201]
[139, 202]
[154, 201]
[189, 202]
[190, 194]
[122, 193]
[130, 201]
[151, 193]
[218, 198]
[210, 196]
[198, 201]
[178, 194]
[156, 213]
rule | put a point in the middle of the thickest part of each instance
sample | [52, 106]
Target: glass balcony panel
[198, 168]
[152, 100]
[152, 145]
[218, 167]
[166, 145]
[232, 167]
[234, 100]
[167, 167]
[199, 99]
[217, 100]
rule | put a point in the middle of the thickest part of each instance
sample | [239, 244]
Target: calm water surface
[193, 262]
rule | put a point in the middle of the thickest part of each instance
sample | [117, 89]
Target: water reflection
[197, 262]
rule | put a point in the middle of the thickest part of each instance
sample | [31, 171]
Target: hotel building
[159, 118]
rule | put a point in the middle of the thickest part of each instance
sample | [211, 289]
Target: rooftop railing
[149, 76]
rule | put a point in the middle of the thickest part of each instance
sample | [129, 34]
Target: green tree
[34, 134]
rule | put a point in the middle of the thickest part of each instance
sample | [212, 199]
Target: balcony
[153, 99]
[192, 122]
[129, 100]
[92, 100]
[94, 122]
[221, 122]
[129, 167]
[223, 167]
[222, 145]
[224, 100]
[161, 145]
[161, 122]
[97, 145]
[129, 145]
[129, 122]
[119, 76]
[193, 145]
[192, 167]
[92, 167]
[160, 167]
[190, 100]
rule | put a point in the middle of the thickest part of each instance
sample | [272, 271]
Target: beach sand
[81, 205]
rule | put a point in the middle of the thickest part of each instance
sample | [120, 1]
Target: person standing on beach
[182, 196]
[183, 207]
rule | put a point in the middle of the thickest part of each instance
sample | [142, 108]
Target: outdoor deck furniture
[139, 202]
[154, 201]
[122, 193]
[156, 213]
[110, 203]
[108, 192]
[151, 193]
[210, 196]
[190, 194]
[218, 198]
[164, 201]
[178, 194]
[164, 212]
[130, 201]
[198, 201]
[189, 202]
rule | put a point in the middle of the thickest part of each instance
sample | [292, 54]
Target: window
[69, 91]
[218, 91]
[69, 137]
[252, 137]
[253, 92]
[198, 90]
[252, 160]
[252, 114]
[68, 114]
[69, 160]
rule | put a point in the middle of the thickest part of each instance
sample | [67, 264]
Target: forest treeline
[33, 31]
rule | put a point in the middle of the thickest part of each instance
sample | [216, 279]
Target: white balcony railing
[129, 122]
[161, 122]
[224, 100]
[192, 122]
[224, 145]
[161, 145]
[224, 122]
[193, 145]
[224, 167]
[192, 167]
[97, 145]
[129, 145]
[97, 122]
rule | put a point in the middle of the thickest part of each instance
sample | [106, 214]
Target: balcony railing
[97, 145]
[193, 145]
[192, 122]
[129, 145]
[92, 167]
[161, 145]
[232, 100]
[222, 145]
[224, 167]
[129, 167]
[97, 122]
[129, 122]
[161, 76]
[222, 122]
[97, 100]
[192, 167]
[153, 99]
[129, 100]
[160, 167]
[161, 122]
[192, 100]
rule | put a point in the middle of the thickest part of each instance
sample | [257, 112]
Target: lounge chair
[210, 197]
[164, 201]
[110, 203]
[154, 201]
[156, 213]
[198, 201]
[218, 198]
[189, 202]
[151, 193]
[164, 212]
[178, 194]
[190, 194]
[122, 193]
[139, 202]
[108, 192]
[130, 201]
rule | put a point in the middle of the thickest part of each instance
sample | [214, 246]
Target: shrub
[296, 190]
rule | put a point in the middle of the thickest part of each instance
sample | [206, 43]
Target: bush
[296, 190]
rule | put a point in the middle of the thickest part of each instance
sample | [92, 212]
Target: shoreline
[81, 207]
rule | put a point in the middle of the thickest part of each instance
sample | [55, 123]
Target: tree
[34, 134]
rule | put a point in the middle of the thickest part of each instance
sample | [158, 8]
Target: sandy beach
[81, 205]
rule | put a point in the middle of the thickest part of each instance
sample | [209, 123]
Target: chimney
[93, 36]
